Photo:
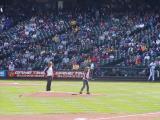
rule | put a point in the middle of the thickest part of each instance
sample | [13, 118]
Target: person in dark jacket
[86, 77]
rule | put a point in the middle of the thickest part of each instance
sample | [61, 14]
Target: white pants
[151, 74]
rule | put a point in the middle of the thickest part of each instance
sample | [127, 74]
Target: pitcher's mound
[57, 94]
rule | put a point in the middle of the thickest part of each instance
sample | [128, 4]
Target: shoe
[88, 93]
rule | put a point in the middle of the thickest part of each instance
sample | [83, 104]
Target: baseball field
[27, 100]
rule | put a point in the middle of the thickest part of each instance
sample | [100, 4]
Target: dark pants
[92, 73]
[49, 80]
[85, 84]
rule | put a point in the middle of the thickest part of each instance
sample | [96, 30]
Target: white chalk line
[32, 84]
[125, 116]
[81, 119]
[20, 84]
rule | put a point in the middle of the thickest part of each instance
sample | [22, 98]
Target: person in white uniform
[92, 66]
[152, 67]
[49, 74]
[11, 67]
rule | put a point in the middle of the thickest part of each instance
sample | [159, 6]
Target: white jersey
[152, 65]
[11, 67]
[92, 66]
[49, 71]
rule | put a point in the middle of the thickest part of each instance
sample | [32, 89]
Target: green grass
[118, 97]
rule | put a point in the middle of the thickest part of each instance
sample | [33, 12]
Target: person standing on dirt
[86, 78]
[49, 74]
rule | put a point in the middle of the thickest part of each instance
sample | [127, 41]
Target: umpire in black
[49, 74]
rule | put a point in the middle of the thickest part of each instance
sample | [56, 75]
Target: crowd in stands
[73, 40]
[11, 15]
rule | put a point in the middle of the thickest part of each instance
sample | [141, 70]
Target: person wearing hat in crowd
[86, 77]
[49, 74]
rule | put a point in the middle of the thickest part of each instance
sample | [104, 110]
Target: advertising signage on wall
[40, 74]
[3, 73]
